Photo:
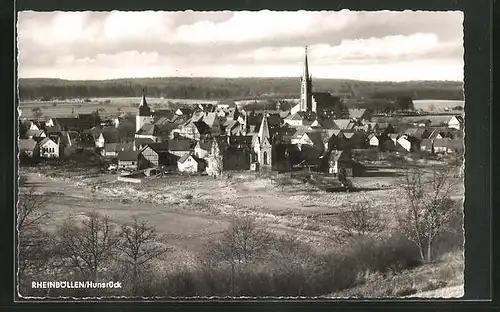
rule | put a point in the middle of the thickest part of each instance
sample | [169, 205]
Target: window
[265, 158]
[133, 163]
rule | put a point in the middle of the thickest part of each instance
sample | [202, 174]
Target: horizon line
[251, 77]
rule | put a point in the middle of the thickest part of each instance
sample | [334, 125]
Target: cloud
[204, 43]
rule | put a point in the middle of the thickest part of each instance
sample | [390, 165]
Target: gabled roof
[295, 116]
[284, 114]
[179, 145]
[127, 155]
[426, 142]
[158, 147]
[142, 141]
[186, 156]
[185, 110]
[110, 135]
[26, 145]
[45, 141]
[197, 116]
[168, 113]
[393, 135]
[348, 135]
[316, 138]
[210, 119]
[357, 112]
[342, 123]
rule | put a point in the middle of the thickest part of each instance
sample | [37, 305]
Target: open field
[437, 105]
[192, 210]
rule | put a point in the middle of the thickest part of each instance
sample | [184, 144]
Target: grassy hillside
[233, 88]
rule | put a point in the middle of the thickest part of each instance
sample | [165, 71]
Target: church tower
[306, 87]
[264, 147]
[143, 114]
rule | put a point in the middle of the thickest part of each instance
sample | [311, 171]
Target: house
[202, 149]
[106, 135]
[312, 139]
[128, 160]
[190, 163]
[419, 133]
[164, 128]
[154, 155]
[354, 139]
[456, 122]
[385, 128]
[48, 148]
[140, 143]
[28, 148]
[339, 161]
[112, 149]
[150, 131]
[297, 119]
[407, 143]
[373, 140]
[179, 147]
[447, 145]
[194, 130]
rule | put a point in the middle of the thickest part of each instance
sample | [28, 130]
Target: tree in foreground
[91, 244]
[429, 207]
[140, 246]
[32, 241]
[243, 243]
[359, 220]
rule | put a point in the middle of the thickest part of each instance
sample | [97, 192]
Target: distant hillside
[233, 88]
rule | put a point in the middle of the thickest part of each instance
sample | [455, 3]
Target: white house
[373, 140]
[404, 143]
[456, 122]
[48, 148]
[190, 163]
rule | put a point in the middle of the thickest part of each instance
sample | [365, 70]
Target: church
[320, 104]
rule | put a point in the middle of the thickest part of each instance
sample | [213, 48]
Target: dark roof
[241, 139]
[142, 141]
[148, 129]
[115, 147]
[167, 113]
[185, 110]
[179, 145]
[449, 143]
[127, 155]
[426, 142]
[34, 133]
[27, 145]
[111, 135]
[159, 147]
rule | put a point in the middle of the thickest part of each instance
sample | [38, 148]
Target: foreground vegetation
[234, 88]
[249, 257]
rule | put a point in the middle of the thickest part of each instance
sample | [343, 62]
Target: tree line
[233, 88]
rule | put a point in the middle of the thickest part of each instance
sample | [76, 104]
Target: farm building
[127, 160]
[373, 140]
[190, 163]
[48, 148]
[154, 155]
[179, 147]
[28, 148]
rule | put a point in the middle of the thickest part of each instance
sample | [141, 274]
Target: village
[318, 134]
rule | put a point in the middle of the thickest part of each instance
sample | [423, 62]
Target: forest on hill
[233, 88]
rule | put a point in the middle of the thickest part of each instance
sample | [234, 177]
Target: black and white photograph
[230, 154]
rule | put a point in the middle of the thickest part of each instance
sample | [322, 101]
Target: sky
[374, 46]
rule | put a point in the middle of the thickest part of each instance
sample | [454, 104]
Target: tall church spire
[144, 109]
[306, 87]
[306, 66]
[264, 130]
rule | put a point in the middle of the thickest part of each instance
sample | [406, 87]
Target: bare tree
[140, 245]
[243, 243]
[360, 220]
[90, 245]
[429, 208]
[31, 239]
